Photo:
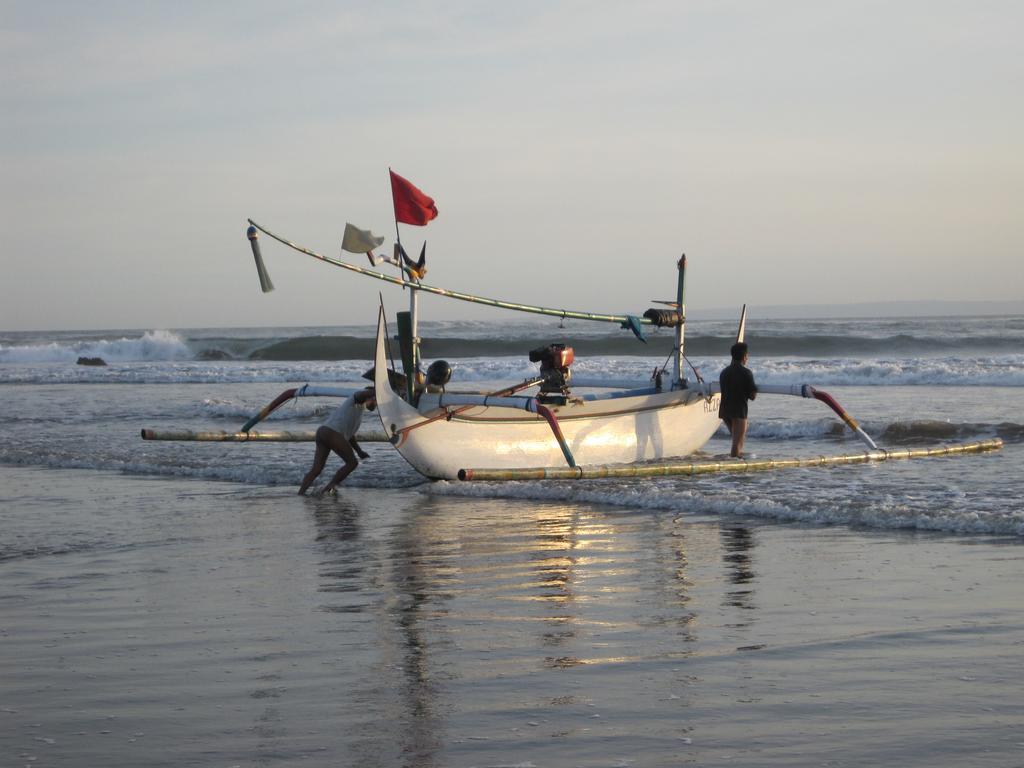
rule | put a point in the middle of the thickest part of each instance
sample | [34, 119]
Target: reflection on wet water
[553, 606]
[738, 547]
[406, 629]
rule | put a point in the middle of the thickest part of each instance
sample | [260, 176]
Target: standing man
[737, 383]
[338, 434]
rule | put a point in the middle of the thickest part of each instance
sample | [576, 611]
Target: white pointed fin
[742, 331]
[380, 368]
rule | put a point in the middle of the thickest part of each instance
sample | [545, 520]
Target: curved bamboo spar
[187, 435]
[306, 390]
[565, 313]
[269, 408]
[806, 390]
[708, 467]
[830, 401]
[548, 415]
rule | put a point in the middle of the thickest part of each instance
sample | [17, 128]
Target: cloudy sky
[797, 152]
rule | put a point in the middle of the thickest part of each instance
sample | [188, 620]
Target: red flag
[411, 205]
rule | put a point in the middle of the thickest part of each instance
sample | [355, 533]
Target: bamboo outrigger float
[220, 436]
[732, 466]
[545, 427]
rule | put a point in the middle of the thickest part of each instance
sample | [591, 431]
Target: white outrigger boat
[552, 426]
[444, 434]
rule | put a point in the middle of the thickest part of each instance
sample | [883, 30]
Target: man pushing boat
[338, 434]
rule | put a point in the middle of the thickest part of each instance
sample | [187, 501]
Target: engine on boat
[554, 360]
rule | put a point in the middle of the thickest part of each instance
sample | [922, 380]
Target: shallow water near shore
[169, 621]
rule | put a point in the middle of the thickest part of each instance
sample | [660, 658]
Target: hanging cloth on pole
[357, 240]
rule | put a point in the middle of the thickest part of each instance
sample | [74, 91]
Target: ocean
[178, 604]
[909, 382]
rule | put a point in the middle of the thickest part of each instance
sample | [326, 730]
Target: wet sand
[168, 622]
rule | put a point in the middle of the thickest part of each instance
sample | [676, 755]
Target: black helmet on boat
[439, 373]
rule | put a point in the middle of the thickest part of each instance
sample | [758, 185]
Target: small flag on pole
[411, 205]
[357, 240]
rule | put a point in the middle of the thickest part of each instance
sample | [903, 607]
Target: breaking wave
[889, 434]
[800, 345]
[813, 339]
[150, 346]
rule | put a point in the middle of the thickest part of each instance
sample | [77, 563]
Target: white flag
[359, 240]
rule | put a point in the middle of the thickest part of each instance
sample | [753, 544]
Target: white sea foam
[185, 372]
[293, 410]
[990, 371]
[160, 357]
[722, 498]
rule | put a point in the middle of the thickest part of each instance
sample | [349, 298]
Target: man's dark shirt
[737, 388]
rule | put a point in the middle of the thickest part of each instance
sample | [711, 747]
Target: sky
[798, 152]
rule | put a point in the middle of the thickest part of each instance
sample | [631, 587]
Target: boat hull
[438, 442]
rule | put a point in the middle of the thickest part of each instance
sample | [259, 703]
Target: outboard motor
[554, 360]
[439, 373]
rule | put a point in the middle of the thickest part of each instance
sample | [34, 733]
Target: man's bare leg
[738, 429]
[323, 450]
[343, 448]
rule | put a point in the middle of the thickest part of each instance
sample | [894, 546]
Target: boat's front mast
[414, 306]
[677, 374]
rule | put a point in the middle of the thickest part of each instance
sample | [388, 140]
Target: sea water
[175, 604]
[908, 382]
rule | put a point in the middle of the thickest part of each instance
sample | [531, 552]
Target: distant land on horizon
[866, 309]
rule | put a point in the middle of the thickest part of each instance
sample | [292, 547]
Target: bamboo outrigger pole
[602, 471]
[553, 312]
[188, 435]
